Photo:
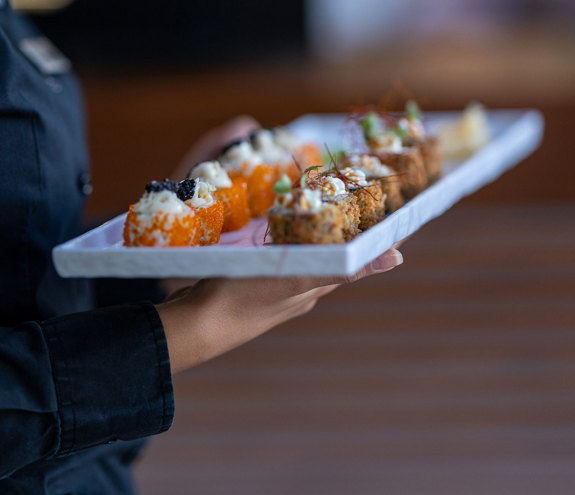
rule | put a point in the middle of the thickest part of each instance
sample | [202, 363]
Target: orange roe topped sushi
[161, 219]
[263, 159]
[197, 196]
[231, 193]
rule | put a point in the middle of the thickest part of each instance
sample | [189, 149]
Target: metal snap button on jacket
[84, 183]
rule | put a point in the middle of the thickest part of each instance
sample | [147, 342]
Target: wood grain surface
[453, 374]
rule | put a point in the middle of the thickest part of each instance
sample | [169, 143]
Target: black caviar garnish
[186, 189]
[254, 134]
[229, 146]
[166, 185]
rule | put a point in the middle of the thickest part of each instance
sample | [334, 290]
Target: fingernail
[387, 262]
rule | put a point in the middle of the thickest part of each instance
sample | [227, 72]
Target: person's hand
[216, 315]
[208, 146]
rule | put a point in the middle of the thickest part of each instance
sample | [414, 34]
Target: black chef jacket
[72, 383]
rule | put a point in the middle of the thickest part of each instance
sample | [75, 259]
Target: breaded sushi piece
[350, 209]
[232, 193]
[334, 191]
[408, 164]
[429, 148]
[369, 196]
[386, 144]
[325, 226]
[197, 195]
[413, 134]
[391, 188]
[161, 219]
[299, 216]
[388, 180]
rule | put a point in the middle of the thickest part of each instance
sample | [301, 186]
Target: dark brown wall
[142, 124]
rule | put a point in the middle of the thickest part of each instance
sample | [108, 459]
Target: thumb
[387, 261]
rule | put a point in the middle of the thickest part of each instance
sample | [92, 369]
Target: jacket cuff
[112, 374]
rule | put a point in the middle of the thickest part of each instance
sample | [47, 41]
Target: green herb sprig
[283, 186]
[371, 126]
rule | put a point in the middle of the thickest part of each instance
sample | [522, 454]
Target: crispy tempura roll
[369, 196]
[391, 188]
[387, 178]
[413, 134]
[300, 217]
[232, 193]
[408, 164]
[350, 209]
[333, 191]
[161, 219]
[387, 144]
[431, 158]
[197, 195]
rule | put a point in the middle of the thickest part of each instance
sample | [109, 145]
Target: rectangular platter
[99, 252]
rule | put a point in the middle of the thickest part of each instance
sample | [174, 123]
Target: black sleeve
[81, 380]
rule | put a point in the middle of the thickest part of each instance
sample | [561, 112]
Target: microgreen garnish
[283, 185]
[401, 131]
[412, 110]
[329, 158]
[305, 175]
[371, 126]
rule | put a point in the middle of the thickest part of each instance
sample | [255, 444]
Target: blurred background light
[40, 6]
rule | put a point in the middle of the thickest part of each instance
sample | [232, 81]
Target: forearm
[82, 380]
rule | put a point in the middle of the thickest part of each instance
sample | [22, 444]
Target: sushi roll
[299, 216]
[334, 191]
[304, 154]
[161, 219]
[410, 128]
[263, 159]
[408, 164]
[387, 145]
[383, 175]
[232, 193]
[241, 160]
[369, 196]
[197, 195]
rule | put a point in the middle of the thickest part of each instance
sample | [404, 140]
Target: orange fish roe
[308, 155]
[235, 201]
[211, 220]
[260, 189]
[293, 171]
[161, 230]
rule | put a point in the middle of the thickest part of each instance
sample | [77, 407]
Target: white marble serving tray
[99, 253]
